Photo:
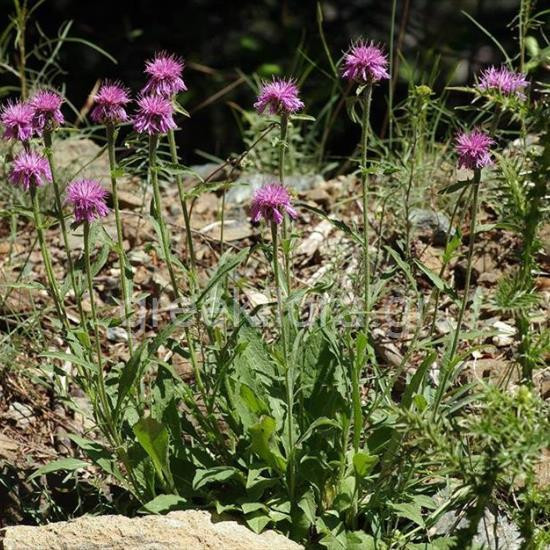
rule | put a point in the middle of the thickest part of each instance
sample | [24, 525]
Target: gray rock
[189, 530]
[81, 156]
[430, 223]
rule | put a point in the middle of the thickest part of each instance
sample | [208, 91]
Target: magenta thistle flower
[503, 80]
[279, 97]
[88, 199]
[164, 72]
[270, 202]
[17, 121]
[473, 149]
[46, 106]
[365, 63]
[109, 104]
[155, 115]
[29, 169]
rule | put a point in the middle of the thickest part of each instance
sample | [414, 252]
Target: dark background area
[218, 39]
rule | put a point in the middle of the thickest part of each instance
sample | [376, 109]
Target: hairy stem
[447, 370]
[101, 390]
[111, 138]
[63, 225]
[165, 243]
[367, 95]
[285, 236]
[288, 371]
[54, 291]
[184, 208]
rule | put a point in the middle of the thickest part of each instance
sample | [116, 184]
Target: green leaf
[228, 262]
[416, 380]
[437, 280]
[409, 511]
[303, 117]
[404, 267]
[451, 247]
[454, 187]
[262, 443]
[363, 463]
[216, 474]
[163, 504]
[308, 505]
[359, 540]
[257, 521]
[337, 223]
[99, 455]
[153, 437]
[66, 357]
[63, 464]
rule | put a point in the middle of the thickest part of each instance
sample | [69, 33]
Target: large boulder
[188, 530]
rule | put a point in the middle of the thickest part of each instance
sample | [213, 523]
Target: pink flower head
[365, 63]
[164, 72]
[88, 199]
[473, 149]
[110, 102]
[29, 169]
[270, 202]
[17, 121]
[503, 80]
[46, 106]
[279, 96]
[155, 115]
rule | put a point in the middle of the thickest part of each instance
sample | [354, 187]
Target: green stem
[282, 152]
[153, 143]
[184, 208]
[47, 259]
[356, 398]
[367, 96]
[447, 371]
[61, 218]
[111, 139]
[473, 217]
[288, 372]
[437, 291]
[106, 413]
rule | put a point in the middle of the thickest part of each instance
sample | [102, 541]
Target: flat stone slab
[185, 530]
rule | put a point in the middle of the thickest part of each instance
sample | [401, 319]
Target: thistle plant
[155, 117]
[473, 149]
[47, 117]
[272, 204]
[31, 171]
[165, 79]
[280, 97]
[365, 64]
[110, 110]
[87, 198]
